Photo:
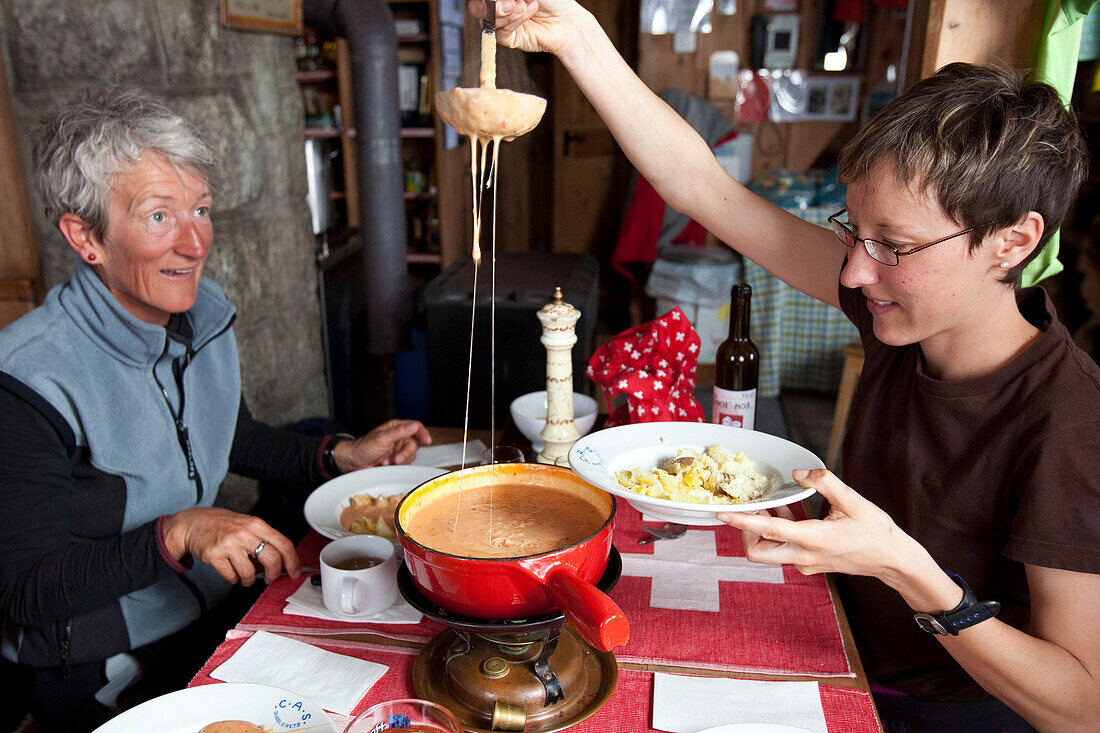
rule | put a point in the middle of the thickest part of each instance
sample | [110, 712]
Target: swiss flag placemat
[692, 602]
[698, 602]
[847, 710]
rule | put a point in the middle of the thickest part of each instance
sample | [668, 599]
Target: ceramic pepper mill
[559, 334]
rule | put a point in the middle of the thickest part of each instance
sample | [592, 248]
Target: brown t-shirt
[987, 474]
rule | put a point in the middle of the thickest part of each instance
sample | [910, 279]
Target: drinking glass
[406, 716]
[502, 454]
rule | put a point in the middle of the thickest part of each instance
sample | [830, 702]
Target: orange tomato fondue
[525, 520]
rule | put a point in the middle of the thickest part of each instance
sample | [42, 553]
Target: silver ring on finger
[259, 548]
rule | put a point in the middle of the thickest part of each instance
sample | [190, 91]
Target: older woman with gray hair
[123, 412]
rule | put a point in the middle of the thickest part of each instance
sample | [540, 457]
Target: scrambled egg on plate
[715, 476]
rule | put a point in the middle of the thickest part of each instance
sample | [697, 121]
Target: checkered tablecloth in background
[799, 338]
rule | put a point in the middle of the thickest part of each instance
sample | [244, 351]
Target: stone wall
[239, 88]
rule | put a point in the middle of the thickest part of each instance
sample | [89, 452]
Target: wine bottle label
[734, 407]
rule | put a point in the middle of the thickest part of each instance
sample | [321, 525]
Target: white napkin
[333, 681]
[449, 454]
[692, 704]
[308, 601]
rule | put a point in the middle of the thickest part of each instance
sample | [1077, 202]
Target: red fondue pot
[519, 587]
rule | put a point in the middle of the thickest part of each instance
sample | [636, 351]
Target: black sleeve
[49, 569]
[263, 452]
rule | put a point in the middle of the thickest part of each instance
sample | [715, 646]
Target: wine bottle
[737, 367]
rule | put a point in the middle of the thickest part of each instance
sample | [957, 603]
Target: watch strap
[967, 613]
[328, 456]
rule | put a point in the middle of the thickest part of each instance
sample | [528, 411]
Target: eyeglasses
[881, 251]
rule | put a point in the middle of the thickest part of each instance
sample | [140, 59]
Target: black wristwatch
[970, 611]
[328, 458]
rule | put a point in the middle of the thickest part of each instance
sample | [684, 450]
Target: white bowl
[529, 414]
[598, 457]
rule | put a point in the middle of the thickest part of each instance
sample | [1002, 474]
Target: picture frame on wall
[843, 96]
[283, 17]
[797, 96]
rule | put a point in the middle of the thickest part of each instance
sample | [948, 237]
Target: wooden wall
[792, 145]
[977, 31]
[928, 35]
[19, 279]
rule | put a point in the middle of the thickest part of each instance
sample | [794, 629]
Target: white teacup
[358, 575]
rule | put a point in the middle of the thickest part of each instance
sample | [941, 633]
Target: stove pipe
[368, 27]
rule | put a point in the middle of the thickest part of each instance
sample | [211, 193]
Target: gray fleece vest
[110, 377]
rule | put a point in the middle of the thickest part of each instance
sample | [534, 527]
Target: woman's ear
[81, 238]
[1019, 240]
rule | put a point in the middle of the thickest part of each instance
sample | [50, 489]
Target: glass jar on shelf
[307, 52]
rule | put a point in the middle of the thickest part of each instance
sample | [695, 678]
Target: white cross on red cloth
[686, 572]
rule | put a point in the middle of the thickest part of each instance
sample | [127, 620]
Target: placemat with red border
[768, 628]
[787, 627]
[847, 710]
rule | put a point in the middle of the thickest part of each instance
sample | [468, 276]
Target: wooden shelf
[442, 202]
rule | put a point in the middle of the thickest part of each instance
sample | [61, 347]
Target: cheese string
[492, 181]
[469, 381]
[483, 176]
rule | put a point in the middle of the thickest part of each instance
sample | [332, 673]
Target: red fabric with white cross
[654, 365]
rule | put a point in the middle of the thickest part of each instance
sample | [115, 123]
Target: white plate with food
[269, 709]
[749, 465]
[382, 486]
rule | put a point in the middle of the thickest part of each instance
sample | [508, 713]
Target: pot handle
[597, 618]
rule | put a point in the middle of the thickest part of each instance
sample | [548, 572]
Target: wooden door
[590, 173]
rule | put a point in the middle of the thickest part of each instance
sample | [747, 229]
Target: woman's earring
[1005, 265]
[91, 258]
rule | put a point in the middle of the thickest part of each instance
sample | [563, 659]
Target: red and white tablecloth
[692, 602]
[697, 602]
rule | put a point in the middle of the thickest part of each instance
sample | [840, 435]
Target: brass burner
[489, 681]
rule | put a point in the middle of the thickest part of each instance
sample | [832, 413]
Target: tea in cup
[358, 575]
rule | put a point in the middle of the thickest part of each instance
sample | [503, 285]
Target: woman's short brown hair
[988, 144]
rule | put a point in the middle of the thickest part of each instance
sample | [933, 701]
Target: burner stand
[488, 691]
[534, 674]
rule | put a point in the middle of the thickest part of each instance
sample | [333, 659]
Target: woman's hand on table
[228, 542]
[391, 443]
[855, 538]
